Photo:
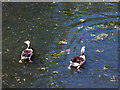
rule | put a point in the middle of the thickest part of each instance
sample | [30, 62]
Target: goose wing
[27, 53]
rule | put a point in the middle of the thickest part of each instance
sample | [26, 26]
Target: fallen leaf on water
[116, 27]
[81, 41]
[62, 52]
[38, 18]
[56, 55]
[53, 1]
[41, 68]
[19, 82]
[68, 53]
[47, 58]
[30, 74]
[80, 27]
[99, 51]
[105, 68]
[24, 80]
[114, 77]
[82, 20]
[62, 42]
[89, 27]
[55, 72]
[112, 80]
[101, 36]
[6, 74]
[89, 3]
[92, 34]
[18, 79]
[41, 23]
[106, 75]
[53, 84]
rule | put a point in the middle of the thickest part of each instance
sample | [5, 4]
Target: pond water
[45, 24]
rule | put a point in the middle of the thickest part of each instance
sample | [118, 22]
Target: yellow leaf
[89, 3]
[24, 80]
[112, 80]
[105, 68]
[62, 42]
[53, 1]
[82, 20]
[55, 72]
[43, 68]
[114, 77]
[92, 34]
[68, 53]
[19, 82]
[30, 74]
[62, 51]
[18, 79]
[105, 74]
[47, 58]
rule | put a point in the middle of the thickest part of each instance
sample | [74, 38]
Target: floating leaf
[116, 27]
[41, 23]
[18, 79]
[55, 72]
[99, 51]
[92, 34]
[54, 2]
[24, 80]
[101, 36]
[68, 53]
[105, 74]
[47, 58]
[89, 27]
[62, 52]
[89, 4]
[38, 18]
[114, 77]
[82, 20]
[6, 74]
[42, 68]
[112, 80]
[105, 68]
[56, 55]
[52, 84]
[62, 42]
[19, 82]
[80, 27]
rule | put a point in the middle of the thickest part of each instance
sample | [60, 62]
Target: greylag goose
[27, 53]
[78, 60]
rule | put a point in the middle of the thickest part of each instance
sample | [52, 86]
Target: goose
[78, 60]
[27, 53]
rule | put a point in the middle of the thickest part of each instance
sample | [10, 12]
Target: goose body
[78, 61]
[27, 53]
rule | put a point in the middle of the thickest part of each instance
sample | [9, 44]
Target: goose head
[28, 43]
[82, 50]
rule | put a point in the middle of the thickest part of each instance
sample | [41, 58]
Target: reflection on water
[45, 24]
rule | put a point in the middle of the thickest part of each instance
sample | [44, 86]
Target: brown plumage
[27, 53]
